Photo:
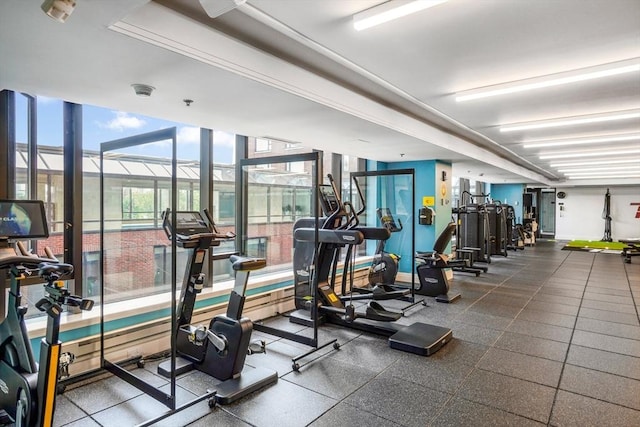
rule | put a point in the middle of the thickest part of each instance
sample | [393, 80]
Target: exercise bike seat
[47, 269]
[377, 312]
[241, 263]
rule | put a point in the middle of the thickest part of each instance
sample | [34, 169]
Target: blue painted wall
[510, 194]
[427, 184]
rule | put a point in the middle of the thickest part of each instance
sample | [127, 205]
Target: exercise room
[319, 213]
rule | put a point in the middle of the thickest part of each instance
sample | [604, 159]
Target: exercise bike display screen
[189, 222]
[23, 219]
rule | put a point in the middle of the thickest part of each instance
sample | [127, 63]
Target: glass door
[548, 213]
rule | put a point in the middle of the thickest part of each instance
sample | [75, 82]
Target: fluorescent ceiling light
[570, 154]
[550, 80]
[595, 162]
[571, 121]
[564, 142]
[604, 176]
[596, 169]
[389, 11]
[631, 172]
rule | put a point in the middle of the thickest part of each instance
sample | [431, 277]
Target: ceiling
[298, 71]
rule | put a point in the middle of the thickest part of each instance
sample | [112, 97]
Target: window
[349, 164]
[276, 198]
[292, 146]
[138, 203]
[48, 167]
[263, 145]
[296, 167]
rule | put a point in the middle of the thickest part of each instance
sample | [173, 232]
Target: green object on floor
[593, 245]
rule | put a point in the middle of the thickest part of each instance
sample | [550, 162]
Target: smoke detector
[142, 89]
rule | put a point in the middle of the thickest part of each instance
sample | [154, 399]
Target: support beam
[72, 142]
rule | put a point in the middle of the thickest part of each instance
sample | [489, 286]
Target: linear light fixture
[571, 121]
[389, 11]
[596, 169]
[540, 82]
[581, 141]
[599, 162]
[595, 153]
[604, 176]
[605, 172]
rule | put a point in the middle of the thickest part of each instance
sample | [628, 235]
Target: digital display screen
[23, 219]
[190, 222]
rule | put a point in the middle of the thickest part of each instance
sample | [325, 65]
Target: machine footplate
[182, 367]
[420, 338]
[249, 381]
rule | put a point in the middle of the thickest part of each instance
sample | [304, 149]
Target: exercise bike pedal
[257, 346]
[5, 418]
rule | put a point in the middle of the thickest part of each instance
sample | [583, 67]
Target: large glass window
[140, 182]
[349, 164]
[45, 141]
[261, 147]
[276, 198]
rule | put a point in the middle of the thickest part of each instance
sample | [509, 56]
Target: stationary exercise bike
[28, 389]
[384, 267]
[219, 350]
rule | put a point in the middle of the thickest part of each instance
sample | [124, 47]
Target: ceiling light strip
[631, 172]
[547, 156]
[603, 176]
[389, 11]
[599, 162]
[537, 83]
[596, 169]
[570, 122]
[565, 142]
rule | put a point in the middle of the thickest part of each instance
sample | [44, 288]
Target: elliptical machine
[219, 350]
[28, 389]
[318, 242]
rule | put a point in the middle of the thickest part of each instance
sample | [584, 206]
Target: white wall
[582, 214]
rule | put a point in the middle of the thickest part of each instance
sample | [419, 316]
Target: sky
[103, 124]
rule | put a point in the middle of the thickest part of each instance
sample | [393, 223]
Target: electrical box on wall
[425, 215]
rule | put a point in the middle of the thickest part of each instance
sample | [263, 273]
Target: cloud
[224, 138]
[189, 135]
[124, 121]
[47, 100]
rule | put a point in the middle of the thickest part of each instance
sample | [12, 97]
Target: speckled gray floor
[547, 337]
